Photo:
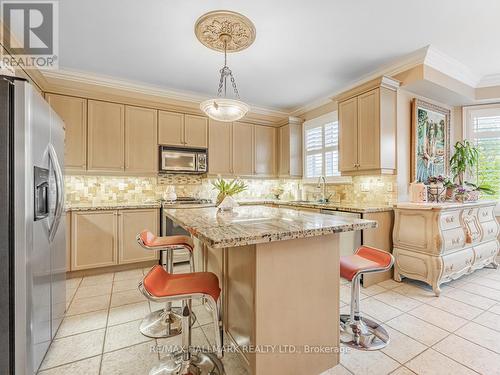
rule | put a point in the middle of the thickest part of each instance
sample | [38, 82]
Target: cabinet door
[170, 128]
[73, 111]
[141, 147]
[131, 223]
[348, 135]
[243, 149]
[369, 130]
[106, 136]
[93, 239]
[284, 150]
[195, 131]
[219, 147]
[265, 151]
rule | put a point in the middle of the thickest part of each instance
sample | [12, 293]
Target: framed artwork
[430, 144]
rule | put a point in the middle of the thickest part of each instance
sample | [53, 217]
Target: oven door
[178, 161]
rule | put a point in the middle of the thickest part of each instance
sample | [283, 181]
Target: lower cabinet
[130, 223]
[107, 238]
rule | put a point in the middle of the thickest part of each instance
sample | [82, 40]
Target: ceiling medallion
[210, 26]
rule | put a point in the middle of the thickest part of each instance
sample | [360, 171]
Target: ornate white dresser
[439, 242]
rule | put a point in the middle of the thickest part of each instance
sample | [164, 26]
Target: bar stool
[356, 331]
[165, 322]
[161, 286]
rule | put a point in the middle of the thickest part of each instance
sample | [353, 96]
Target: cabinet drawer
[458, 262]
[453, 239]
[450, 220]
[490, 230]
[485, 251]
[486, 214]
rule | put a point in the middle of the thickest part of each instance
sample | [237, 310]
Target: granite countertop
[359, 208]
[110, 206]
[248, 225]
[444, 205]
[351, 207]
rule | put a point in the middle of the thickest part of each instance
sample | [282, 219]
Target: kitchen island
[279, 271]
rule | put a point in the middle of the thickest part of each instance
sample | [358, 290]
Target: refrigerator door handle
[59, 191]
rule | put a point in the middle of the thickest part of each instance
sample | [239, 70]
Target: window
[321, 147]
[482, 126]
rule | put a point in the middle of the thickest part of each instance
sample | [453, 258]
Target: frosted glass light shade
[226, 110]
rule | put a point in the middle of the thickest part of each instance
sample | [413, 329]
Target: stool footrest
[363, 334]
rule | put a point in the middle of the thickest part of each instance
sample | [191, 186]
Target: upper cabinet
[73, 111]
[195, 131]
[265, 151]
[141, 146]
[290, 149]
[177, 129]
[106, 129]
[170, 128]
[367, 125]
[243, 149]
[219, 147]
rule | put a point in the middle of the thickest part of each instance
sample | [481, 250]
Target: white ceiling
[305, 49]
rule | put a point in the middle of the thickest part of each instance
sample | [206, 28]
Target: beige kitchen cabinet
[106, 127]
[94, 239]
[195, 131]
[73, 111]
[290, 149]
[367, 128]
[348, 135]
[219, 147]
[130, 223]
[141, 146]
[177, 129]
[265, 151]
[170, 128]
[243, 149]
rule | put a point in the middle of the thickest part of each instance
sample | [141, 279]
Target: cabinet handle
[449, 219]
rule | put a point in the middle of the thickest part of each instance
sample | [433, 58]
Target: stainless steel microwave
[183, 160]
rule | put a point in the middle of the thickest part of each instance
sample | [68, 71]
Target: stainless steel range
[169, 228]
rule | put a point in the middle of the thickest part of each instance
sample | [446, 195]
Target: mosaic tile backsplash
[105, 189]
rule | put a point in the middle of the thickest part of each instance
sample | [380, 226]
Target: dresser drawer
[457, 262]
[486, 213]
[485, 251]
[450, 220]
[490, 230]
[453, 239]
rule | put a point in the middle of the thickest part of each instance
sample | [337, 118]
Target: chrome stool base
[201, 363]
[155, 325]
[364, 334]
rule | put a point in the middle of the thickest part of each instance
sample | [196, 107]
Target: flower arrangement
[227, 189]
[277, 191]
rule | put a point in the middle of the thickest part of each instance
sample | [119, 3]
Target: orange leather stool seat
[365, 259]
[159, 283]
[150, 240]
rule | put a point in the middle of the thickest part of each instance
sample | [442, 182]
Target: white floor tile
[84, 305]
[455, 307]
[368, 363]
[126, 297]
[123, 335]
[88, 366]
[397, 300]
[490, 320]
[135, 274]
[470, 298]
[402, 348]
[469, 354]
[127, 313]
[134, 360]
[93, 291]
[417, 329]
[379, 310]
[480, 335]
[82, 323]
[103, 279]
[337, 370]
[432, 362]
[439, 318]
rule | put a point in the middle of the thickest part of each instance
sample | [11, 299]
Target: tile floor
[457, 333]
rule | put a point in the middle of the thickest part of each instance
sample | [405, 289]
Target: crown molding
[490, 80]
[54, 76]
[394, 67]
[451, 67]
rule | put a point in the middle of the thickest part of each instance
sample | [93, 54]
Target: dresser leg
[436, 289]
[494, 264]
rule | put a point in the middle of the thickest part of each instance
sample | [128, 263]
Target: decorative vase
[462, 197]
[436, 193]
[450, 193]
[473, 196]
[220, 198]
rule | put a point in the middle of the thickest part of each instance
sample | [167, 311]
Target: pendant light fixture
[225, 31]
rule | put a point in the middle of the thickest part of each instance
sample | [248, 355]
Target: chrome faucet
[322, 186]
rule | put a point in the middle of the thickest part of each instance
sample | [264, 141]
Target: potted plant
[477, 190]
[461, 194]
[450, 188]
[277, 191]
[227, 189]
[465, 159]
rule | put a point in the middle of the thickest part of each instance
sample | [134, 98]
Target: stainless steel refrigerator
[32, 226]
